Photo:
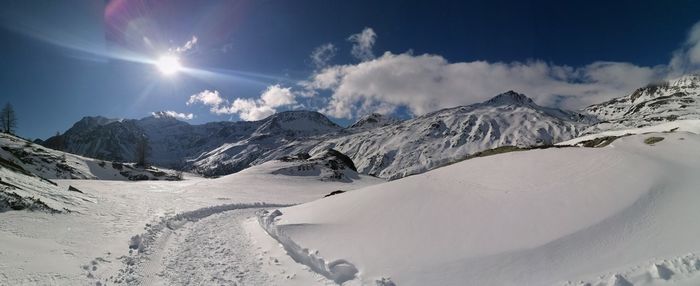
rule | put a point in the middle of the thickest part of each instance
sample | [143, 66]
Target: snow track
[203, 253]
[204, 246]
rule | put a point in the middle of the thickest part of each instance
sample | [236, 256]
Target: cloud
[322, 54]
[362, 44]
[425, 83]
[276, 95]
[209, 98]
[251, 110]
[272, 98]
[687, 58]
[187, 46]
[173, 114]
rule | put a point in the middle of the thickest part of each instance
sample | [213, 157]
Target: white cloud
[687, 58]
[426, 83]
[173, 114]
[209, 98]
[321, 55]
[362, 44]
[187, 46]
[275, 96]
[250, 110]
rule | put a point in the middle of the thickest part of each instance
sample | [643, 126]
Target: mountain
[214, 148]
[263, 143]
[665, 101]
[378, 145]
[435, 139]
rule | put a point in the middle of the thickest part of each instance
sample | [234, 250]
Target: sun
[168, 64]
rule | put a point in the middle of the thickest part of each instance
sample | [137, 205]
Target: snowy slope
[21, 190]
[444, 136]
[692, 126]
[676, 99]
[624, 214]
[51, 164]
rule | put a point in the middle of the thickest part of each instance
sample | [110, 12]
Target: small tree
[8, 120]
[142, 151]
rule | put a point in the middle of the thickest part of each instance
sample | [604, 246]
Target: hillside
[617, 215]
[676, 99]
[51, 164]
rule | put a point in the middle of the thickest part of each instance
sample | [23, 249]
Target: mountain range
[378, 145]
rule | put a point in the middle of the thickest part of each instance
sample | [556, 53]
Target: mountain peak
[373, 120]
[303, 121]
[510, 98]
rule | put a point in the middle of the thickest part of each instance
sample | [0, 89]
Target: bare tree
[8, 120]
[142, 151]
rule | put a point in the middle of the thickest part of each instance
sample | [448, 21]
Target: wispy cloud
[189, 45]
[362, 44]
[322, 55]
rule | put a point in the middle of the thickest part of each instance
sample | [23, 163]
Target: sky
[204, 61]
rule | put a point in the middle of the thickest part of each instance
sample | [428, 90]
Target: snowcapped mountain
[671, 100]
[438, 138]
[263, 143]
[374, 120]
[215, 148]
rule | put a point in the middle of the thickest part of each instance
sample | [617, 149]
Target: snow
[680, 125]
[379, 145]
[621, 214]
[676, 99]
[52, 164]
[559, 216]
[92, 243]
[445, 136]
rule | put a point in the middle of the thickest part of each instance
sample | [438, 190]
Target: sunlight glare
[168, 64]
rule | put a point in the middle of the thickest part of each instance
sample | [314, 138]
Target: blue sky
[65, 60]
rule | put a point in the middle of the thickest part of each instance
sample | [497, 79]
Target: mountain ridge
[379, 145]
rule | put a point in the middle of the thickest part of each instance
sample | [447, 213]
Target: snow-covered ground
[195, 231]
[623, 214]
